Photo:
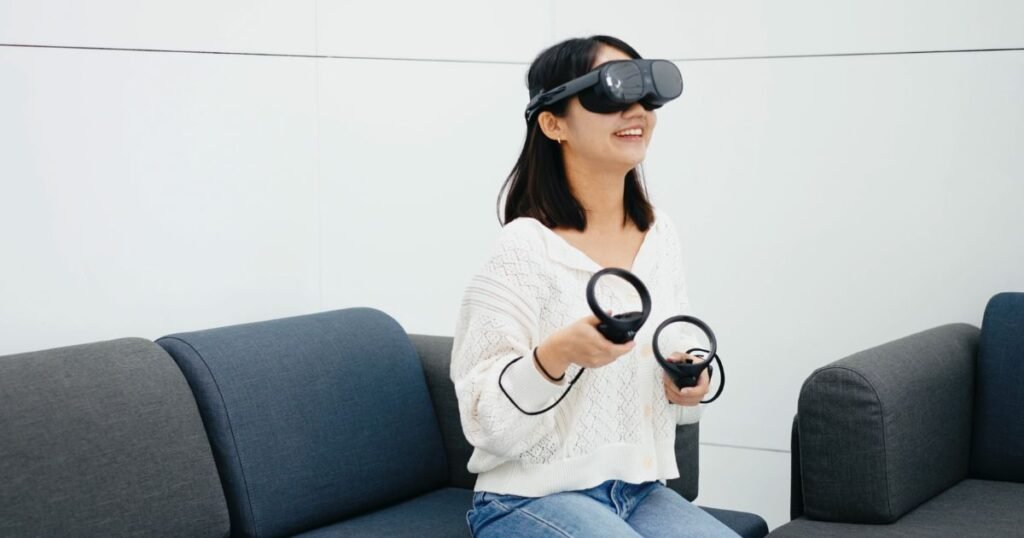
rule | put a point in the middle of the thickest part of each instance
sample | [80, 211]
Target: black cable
[546, 409]
[711, 372]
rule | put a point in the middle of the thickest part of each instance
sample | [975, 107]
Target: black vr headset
[614, 86]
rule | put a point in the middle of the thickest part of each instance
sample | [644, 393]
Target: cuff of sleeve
[528, 387]
[689, 414]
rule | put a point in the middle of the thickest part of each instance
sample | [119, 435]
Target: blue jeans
[614, 508]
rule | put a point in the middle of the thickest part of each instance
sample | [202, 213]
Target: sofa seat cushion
[438, 513]
[980, 508]
[745, 524]
[443, 513]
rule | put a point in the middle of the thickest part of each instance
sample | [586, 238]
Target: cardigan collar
[561, 251]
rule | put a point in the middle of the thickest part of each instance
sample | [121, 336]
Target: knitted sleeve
[497, 324]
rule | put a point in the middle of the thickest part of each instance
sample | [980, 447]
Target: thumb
[592, 319]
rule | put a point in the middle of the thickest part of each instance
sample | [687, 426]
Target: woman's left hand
[688, 396]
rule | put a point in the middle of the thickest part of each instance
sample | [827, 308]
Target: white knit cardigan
[616, 422]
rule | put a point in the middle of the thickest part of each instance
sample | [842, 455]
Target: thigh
[561, 515]
[663, 512]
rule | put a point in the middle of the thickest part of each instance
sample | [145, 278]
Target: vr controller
[686, 373]
[621, 328]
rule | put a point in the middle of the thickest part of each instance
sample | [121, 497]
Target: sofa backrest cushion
[313, 419]
[998, 451]
[104, 439]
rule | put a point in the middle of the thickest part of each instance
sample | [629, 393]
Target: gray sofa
[104, 439]
[919, 437]
[330, 424]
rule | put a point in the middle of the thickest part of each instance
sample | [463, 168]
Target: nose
[635, 110]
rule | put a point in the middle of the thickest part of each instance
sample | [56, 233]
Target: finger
[678, 399]
[671, 386]
[696, 393]
[690, 394]
[671, 390]
[693, 393]
[672, 394]
[674, 398]
[622, 349]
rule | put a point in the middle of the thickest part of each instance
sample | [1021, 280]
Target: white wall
[839, 180]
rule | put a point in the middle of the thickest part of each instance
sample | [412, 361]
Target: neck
[600, 190]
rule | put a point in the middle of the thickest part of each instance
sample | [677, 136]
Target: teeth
[630, 132]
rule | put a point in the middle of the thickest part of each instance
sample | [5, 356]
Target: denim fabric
[614, 508]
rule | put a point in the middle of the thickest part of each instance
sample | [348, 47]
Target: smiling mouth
[634, 133]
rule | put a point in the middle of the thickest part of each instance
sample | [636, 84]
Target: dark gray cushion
[313, 419]
[886, 429]
[438, 513]
[104, 439]
[688, 460]
[796, 493]
[436, 354]
[999, 411]
[972, 508]
[745, 524]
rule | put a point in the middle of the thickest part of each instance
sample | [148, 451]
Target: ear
[552, 126]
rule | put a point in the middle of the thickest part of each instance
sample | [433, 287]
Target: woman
[587, 458]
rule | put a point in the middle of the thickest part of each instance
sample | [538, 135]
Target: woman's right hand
[579, 343]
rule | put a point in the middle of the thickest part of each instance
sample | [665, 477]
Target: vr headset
[614, 86]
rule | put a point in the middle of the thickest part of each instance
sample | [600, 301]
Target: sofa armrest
[436, 355]
[688, 460]
[886, 429]
[796, 492]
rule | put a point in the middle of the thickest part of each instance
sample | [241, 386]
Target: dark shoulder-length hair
[538, 187]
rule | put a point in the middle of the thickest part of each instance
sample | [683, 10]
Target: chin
[626, 160]
[632, 161]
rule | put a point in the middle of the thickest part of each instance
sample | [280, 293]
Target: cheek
[592, 132]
